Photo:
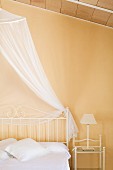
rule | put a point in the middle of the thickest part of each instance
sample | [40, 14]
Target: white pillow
[4, 143]
[3, 155]
[55, 146]
[26, 149]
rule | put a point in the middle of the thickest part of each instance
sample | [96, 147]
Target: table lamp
[88, 119]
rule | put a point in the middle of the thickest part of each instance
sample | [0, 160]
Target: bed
[33, 143]
[49, 162]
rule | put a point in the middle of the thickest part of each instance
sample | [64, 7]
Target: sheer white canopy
[17, 47]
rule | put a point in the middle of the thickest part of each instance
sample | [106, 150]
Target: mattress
[51, 161]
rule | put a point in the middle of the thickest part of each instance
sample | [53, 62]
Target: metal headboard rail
[11, 126]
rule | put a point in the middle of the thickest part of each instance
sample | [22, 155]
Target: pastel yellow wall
[78, 59]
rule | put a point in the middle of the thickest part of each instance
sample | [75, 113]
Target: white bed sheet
[52, 161]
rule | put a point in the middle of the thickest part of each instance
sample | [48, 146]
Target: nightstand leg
[75, 158]
[103, 158]
[100, 161]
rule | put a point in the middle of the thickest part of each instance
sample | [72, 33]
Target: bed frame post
[67, 126]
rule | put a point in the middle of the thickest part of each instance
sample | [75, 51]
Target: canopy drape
[17, 46]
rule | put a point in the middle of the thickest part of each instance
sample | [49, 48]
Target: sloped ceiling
[104, 17]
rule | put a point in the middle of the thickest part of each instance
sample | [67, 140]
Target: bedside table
[95, 150]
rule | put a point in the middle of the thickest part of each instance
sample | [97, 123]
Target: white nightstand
[96, 150]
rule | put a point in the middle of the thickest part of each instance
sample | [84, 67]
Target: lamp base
[85, 148]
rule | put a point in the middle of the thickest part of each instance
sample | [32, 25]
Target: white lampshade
[88, 119]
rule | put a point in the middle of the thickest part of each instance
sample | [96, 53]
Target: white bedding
[52, 161]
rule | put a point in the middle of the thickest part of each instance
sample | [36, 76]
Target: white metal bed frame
[13, 117]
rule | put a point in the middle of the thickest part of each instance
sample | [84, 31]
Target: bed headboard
[17, 122]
